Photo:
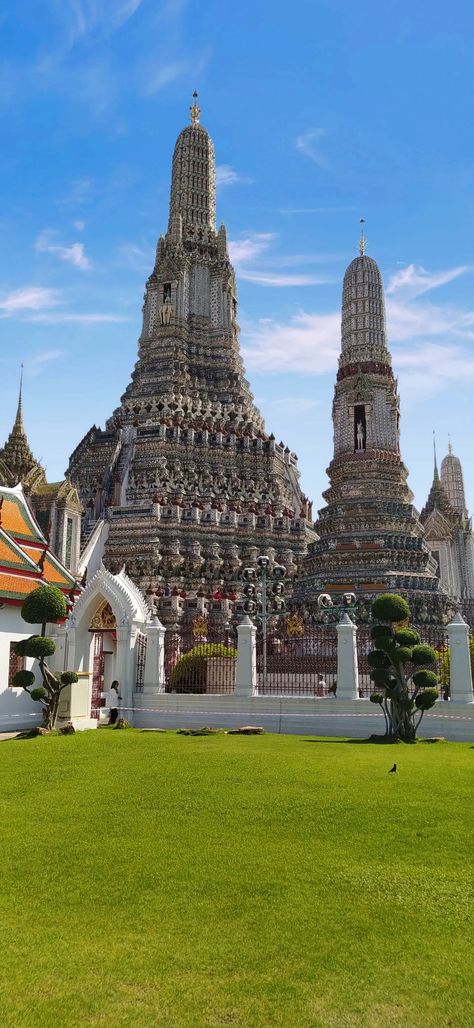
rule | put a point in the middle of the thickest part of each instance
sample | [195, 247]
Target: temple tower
[370, 536]
[185, 476]
[448, 532]
[453, 481]
[56, 505]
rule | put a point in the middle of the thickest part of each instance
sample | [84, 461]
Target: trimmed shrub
[390, 607]
[68, 678]
[380, 676]
[376, 697]
[401, 654]
[380, 632]
[424, 679]
[122, 723]
[39, 646]
[377, 659]
[23, 679]
[189, 673]
[39, 693]
[423, 654]
[426, 699]
[407, 637]
[46, 604]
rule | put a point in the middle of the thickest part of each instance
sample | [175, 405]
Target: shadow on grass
[352, 742]
[377, 740]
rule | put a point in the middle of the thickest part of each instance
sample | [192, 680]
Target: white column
[347, 667]
[246, 671]
[460, 663]
[154, 677]
[124, 670]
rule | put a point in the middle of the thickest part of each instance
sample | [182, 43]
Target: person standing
[114, 699]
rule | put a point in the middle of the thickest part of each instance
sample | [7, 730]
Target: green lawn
[154, 879]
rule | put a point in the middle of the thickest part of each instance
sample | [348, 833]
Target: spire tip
[195, 110]
[362, 239]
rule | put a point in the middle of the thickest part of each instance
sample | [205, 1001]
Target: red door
[97, 675]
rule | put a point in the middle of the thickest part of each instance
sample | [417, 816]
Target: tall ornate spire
[193, 180]
[16, 454]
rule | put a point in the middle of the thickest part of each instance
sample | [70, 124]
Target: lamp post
[256, 591]
[331, 611]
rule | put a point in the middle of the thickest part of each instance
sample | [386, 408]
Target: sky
[322, 112]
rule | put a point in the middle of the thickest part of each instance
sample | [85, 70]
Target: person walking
[114, 699]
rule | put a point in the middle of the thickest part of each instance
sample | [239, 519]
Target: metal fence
[200, 660]
[303, 664]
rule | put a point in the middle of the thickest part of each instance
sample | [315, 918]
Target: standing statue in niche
[360, 436]
[166, 312]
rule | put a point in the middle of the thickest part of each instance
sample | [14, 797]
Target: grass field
[154, 879]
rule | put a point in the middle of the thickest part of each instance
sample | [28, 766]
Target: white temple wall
[17, 709]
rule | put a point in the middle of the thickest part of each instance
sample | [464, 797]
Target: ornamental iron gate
[200, 658]
[140, 649]
[301, 659]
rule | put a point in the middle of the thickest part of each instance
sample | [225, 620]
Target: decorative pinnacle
[434, 454]
[450, 448]
[362, 239]
[195, 110]
[19, 414]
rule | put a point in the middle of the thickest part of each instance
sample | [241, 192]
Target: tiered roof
[25, 559]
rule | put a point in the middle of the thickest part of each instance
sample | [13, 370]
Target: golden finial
[450, 448]
[362, 239]
[195, 110]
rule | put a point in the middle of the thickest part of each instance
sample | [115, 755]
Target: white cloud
[245, 250]
[73, 254]
[79, 226]
[308, 343]
[164, 75]
[30, 298]
[227, 176]
[83, 17]
[414, 280]
[307, 144]
[269, 278]
[156, 78]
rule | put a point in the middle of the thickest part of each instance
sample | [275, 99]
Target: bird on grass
[392, 770]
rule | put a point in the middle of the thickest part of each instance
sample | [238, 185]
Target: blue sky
[321, 112]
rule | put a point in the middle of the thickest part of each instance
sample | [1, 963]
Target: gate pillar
[154, 676]
[246, 670]
[347, 667]
[460, 663]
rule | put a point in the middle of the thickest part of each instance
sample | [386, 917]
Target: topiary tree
[45, 605]
[189, 672]
[402, 666]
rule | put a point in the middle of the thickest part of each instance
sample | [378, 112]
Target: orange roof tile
[16, 587]
[17, 519]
